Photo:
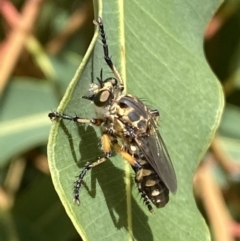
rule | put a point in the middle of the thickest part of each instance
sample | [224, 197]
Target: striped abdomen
[150, 185]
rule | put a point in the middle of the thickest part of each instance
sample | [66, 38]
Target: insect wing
[166, 169]
[152, 146]
[154, 149]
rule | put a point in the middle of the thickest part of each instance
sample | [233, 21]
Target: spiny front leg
[56, 115]
[108, 60]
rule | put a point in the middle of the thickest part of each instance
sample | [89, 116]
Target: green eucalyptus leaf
[23, 123]
[157, 48]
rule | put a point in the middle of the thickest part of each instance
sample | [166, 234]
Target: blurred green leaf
[46, 219]
[36, 218]
[230, 122]
[67, 61]
[165, 65]
[229, 130]
[23, 118]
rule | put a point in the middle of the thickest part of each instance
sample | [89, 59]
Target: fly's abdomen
[156, 190]
[151, 186]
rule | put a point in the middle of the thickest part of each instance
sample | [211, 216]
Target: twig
[212, 199]
[230, 166]
[75, 22]
[16, 38]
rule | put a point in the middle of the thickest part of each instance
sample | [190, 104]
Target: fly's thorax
[133, 113]
[119, 128]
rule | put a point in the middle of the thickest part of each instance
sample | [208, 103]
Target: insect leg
[108, 60]
[125, 155]
[78, 183]
[56, 115]
[145, 197]
[137, 167]
[106, 145]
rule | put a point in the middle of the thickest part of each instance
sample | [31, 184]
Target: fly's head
[103, 93]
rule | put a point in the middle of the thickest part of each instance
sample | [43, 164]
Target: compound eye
[102, 98]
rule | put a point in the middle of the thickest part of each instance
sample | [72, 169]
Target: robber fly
[130, 128]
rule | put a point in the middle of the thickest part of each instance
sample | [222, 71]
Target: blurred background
[217, 180]
[35, 70]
